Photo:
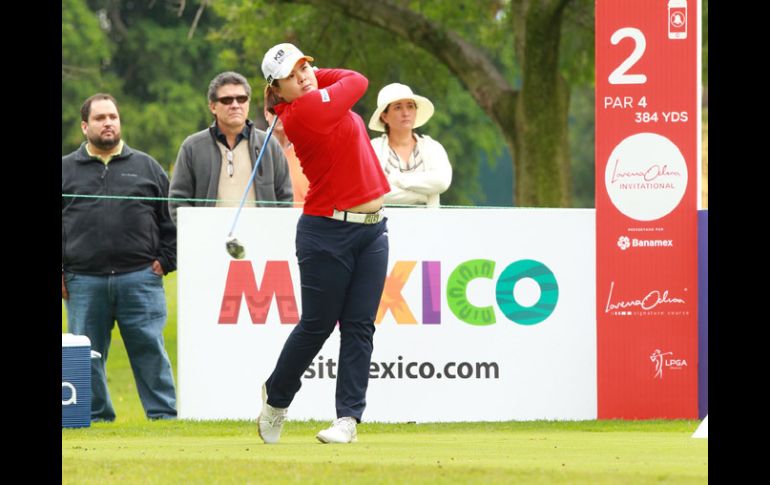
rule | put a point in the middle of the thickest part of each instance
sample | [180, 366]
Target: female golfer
[342, 240]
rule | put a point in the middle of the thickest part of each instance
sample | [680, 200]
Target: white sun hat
[280, 60]
[394, 92]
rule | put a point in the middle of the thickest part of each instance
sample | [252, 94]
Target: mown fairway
[133, 450]
[534, 452]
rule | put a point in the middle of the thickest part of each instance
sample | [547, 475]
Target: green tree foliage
[143, 54]
[484, 99]
[582, 135]
[337, 41]
[165, 81]
[149, 56]
[85, 58]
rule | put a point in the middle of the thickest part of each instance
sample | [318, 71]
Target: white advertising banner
[487, 315]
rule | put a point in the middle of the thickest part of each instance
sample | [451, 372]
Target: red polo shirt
[332, 144]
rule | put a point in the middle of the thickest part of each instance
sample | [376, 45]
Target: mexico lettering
[277, 285]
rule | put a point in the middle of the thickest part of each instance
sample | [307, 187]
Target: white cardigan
[423, 186]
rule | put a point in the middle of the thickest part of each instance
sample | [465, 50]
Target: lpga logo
[661, 360]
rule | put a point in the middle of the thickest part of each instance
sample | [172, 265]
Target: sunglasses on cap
[229, 99]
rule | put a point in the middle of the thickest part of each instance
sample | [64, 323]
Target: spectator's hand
[64, 293]
[157, 268]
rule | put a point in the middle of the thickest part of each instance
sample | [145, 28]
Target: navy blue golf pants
[342, 271]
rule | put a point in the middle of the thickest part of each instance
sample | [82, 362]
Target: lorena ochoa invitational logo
[646, 176]
[666, 360]
[625, 242]
[654, 302]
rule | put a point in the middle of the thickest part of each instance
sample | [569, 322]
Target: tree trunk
[533, 120]
[540, 135]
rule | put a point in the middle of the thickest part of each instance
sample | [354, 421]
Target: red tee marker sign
[647, 171]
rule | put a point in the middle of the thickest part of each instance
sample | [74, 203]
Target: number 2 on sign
[619, 75]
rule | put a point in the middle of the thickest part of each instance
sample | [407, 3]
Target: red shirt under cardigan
[332, 143]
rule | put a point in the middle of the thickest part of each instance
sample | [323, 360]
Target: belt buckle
[372, 218]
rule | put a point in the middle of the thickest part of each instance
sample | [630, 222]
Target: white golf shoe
[270, 420]
[342, 430]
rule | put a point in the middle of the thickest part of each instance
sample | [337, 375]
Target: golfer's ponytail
[271, 98]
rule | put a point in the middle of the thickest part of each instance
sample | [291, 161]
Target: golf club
[233, 246]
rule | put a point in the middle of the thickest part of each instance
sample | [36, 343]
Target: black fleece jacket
[102, 236]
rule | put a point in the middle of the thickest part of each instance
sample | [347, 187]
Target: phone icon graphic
[677, 19]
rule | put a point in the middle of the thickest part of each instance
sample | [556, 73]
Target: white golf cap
[394, 92]
[280, 60]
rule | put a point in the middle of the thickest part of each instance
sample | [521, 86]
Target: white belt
[358, 217]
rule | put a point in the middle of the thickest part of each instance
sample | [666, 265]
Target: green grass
[134, 450]
[530, 452]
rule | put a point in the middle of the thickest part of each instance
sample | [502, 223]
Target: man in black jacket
[118, 240]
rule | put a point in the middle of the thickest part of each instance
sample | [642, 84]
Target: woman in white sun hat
[417, 166]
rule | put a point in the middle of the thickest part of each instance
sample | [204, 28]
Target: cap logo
[278, 55]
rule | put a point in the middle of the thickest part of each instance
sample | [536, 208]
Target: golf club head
[235, 248]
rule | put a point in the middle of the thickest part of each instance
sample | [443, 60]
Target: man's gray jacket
[199, 163]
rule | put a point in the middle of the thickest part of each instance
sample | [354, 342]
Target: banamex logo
[625, 242]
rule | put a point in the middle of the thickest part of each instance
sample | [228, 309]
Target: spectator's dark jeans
[137, 301]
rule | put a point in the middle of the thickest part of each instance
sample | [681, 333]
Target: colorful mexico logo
[241, 284]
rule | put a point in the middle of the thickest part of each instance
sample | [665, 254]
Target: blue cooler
[75, 381]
